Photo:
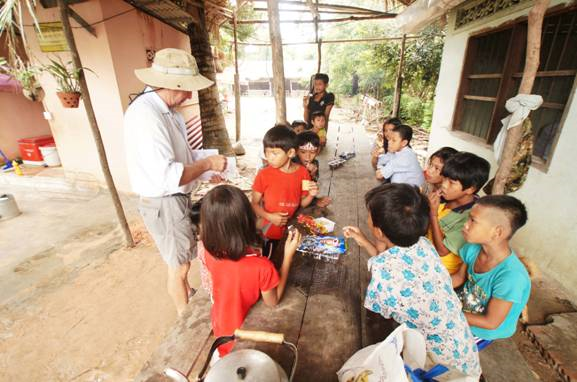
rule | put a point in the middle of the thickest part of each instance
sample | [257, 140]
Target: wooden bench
[322, 310]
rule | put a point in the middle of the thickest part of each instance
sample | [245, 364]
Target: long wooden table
[322, 310]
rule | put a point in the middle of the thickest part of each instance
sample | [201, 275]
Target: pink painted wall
[119, 48]
[21, 118]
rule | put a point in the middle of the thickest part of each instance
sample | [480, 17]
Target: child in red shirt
[239, 274]
[278, 189]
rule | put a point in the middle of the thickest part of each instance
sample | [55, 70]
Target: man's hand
[379, 175]
[435, 202]
[217, 163]
[216, 179]
[278, 218]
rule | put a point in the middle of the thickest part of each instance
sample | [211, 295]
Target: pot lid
[246, 365]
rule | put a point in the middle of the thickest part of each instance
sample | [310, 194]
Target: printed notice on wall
[51, 37]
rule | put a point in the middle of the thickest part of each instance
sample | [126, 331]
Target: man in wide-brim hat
[160, 162]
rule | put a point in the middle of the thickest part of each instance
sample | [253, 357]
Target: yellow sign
[51, 37]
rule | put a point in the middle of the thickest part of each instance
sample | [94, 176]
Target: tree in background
[375, 64]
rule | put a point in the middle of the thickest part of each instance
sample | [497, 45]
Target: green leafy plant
[66, 76]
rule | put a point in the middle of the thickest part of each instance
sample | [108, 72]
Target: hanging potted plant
[66, 77]
[25, 74]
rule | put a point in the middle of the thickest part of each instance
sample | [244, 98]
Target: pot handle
[259, 336]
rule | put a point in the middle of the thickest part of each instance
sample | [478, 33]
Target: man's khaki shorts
[168, 220]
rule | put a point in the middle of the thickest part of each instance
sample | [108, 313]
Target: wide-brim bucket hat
[173, 69]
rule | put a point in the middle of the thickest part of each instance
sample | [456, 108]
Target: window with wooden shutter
[492, 74]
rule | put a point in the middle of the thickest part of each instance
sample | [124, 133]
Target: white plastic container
[8, 207]
[50, 155]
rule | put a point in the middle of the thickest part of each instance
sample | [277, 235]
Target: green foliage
[66, 75]
[376, 65]
[225, 42]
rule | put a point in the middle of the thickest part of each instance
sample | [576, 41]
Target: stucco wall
[119, 48]
[550, 236]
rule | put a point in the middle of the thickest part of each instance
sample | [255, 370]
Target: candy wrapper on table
[327, 248]
[307, 225]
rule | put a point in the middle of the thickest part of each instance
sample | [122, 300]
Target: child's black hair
[323, 77]
[512, 207]
[400, 211]
[298, 122]
[467, 168]
[405, 131]
[392, 121]
[444, 153]
[280, 137]
[308, 137]
[228, 223]
[317, 114]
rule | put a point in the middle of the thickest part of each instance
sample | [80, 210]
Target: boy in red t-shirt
[239, 274]
[283, 186]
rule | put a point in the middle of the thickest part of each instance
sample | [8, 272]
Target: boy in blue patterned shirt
[408, 281]
[496, 285]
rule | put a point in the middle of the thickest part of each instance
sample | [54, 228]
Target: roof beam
[327, 6]
[341, 19]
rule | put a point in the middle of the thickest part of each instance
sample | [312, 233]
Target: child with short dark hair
[496, 284]
[433, 172]
[298, 126]
[238, 273]
[283, 186]
[309, 146]
[318, 121]
[319, 100]
[408, 282]
[463, 176]
[381, 145]
[400, 164]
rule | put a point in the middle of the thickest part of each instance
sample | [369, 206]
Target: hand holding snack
[306, 101]
[313, 188]
[378, 151]
[324, 201]
[292, 242]
[379, 175]
[279, 218]
[354, 233]
[434, 201]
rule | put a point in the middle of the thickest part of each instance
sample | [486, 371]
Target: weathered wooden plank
[183, 344]
[330, 331]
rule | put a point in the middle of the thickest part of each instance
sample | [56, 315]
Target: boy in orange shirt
[282, 187]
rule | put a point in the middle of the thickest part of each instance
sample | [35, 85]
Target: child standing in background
[318, 121]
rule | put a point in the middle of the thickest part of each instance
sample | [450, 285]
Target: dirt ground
[100, 326]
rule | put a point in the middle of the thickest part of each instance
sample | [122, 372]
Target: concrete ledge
[557, 342]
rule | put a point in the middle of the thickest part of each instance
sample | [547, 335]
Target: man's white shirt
[156, 147]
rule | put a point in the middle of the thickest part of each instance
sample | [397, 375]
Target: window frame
[508, 75]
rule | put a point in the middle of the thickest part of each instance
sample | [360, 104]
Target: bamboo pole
[317, 40]
[399, 81]
[277, 61]
[357, 40]
[514, 134]
[236, 79]
[337, 20]
[64, 14]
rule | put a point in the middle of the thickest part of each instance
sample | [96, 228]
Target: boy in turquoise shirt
[496, 285]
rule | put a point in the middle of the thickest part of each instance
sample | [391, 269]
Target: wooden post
[277, 61]
[236, 79]
[514, 134]
[399, 81]
[317, 40]
[64, 14]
